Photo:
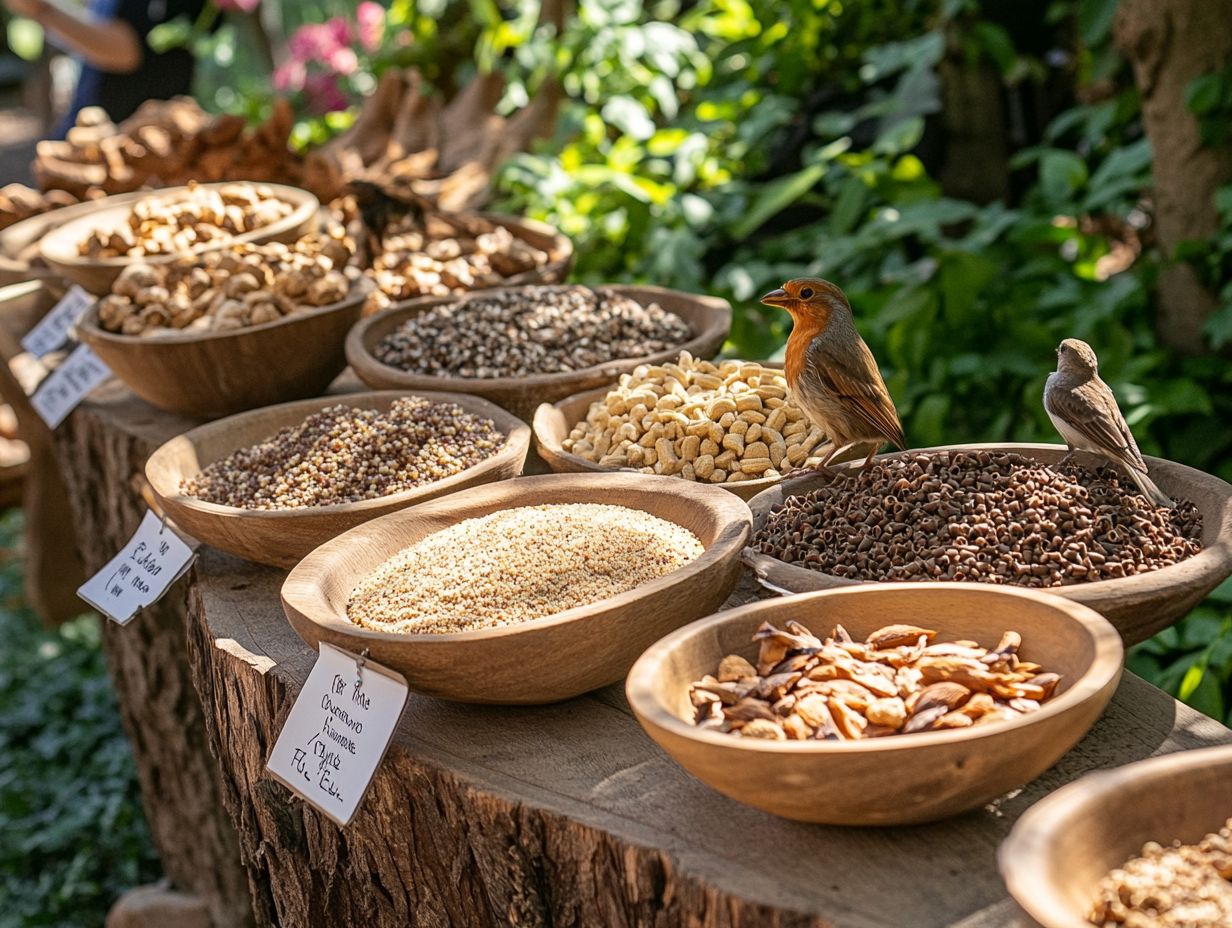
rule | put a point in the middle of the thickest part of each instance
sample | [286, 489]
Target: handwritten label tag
[154, 558]
[52, 330]
[68, 385]
[338, 731]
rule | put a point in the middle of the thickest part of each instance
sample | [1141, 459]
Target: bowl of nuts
[1148, 844]
[882, 705]
[233, 329]
[95, 245]
[522, 346]
[272, 484]
[728, 423]
[526, 591]
[1007, 515]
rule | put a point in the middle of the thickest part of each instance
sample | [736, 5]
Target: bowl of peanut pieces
[881, 705]
[237, 328]
[729, 423]
[92, 248]
[1147, 845]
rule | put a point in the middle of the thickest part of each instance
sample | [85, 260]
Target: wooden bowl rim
[304, 207]
[517, 442]
[89, 326]
[718, 323]
[1021, 855]
[642, 686]
[732, 513]
[1213, 560]
[34, 227]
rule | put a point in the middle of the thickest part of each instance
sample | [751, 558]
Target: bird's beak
[778, 297]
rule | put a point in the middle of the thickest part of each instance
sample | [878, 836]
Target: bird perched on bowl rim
[1084, 410]
[831, 373]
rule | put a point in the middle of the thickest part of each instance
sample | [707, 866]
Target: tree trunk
[1169, 43]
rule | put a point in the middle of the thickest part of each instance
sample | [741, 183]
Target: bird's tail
[1148, 488]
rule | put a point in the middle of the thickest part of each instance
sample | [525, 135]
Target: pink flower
[289, 76]
[237, 6]
[317, 41]
[324, 93]
[370, 22]
[342, 61]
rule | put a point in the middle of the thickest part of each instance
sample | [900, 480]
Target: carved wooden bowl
[897, 779]
[281, 537]
[1063, 846]
[709, 317]
[547, 659]
[1139, 606]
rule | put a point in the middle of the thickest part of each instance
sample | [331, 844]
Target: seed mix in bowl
[344, 454]
[993, 517]
[530, 330]
[898, 680]
[1181, 886]
[517, 565]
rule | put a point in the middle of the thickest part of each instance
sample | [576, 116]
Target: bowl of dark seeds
[522, 346]
[1005, 515]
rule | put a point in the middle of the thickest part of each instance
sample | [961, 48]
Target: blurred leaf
[25, 38]
[1095, 20]
[777, 196]
[1062, 173]
[175, 33]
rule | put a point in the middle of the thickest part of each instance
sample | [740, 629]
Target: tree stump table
[564, 815]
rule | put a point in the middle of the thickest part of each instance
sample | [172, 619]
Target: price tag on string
[68, 385]
[338, 731]
[52, 330]
[154, 558]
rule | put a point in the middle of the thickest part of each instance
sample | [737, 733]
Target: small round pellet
[517, 565]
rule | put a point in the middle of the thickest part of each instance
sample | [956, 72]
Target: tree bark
[1170, 43]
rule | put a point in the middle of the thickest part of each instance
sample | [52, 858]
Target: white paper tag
[338, 731]
[68, 385]
[154, 558]
[52, 330]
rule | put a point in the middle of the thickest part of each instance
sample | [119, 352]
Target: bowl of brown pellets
[880, 705]
[527, 591]
[1005, 515]
[522, 346]
[1147, 845]
[272, 484]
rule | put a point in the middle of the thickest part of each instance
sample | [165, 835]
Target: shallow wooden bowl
[1139, 606]
[709, 317]
[1063, 846]
[58, 247]
[210, 374]
[548, 659]
[899, 779]
[280, 538]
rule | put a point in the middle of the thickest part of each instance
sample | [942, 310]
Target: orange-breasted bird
[831, 373]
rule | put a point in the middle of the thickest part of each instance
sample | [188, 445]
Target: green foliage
[74, 835]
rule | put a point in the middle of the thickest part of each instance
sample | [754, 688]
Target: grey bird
[1085, 412]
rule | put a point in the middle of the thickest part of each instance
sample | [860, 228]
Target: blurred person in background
[119, 69]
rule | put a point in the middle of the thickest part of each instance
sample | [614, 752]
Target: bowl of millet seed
[522, 346]
[1007, 515]
[271, 484]
[527, 591]
[1147, 845]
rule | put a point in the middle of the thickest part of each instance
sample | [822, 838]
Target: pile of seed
[517, 565]
[343, 454]
[1182, 886]
[994, 517]
[531, 330]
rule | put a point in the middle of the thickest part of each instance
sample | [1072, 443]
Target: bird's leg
[1069, 454]
[871, 454]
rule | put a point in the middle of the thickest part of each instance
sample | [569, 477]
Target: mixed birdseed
[993, 517]
[344, 454]
[531, 330]
[898, 680]
[520, 564]
[1182, 886]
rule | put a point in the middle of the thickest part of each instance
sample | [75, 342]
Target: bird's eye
[806, 293]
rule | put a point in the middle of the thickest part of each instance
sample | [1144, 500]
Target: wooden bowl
[58, 247]
[548, 659]
[709, 317]
[1063, 846]
[210, 374]
[280, 538]
[1139, 606]
[898, 779]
